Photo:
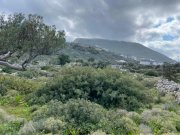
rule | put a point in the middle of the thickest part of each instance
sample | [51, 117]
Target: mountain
[129, 49]
[77, 51]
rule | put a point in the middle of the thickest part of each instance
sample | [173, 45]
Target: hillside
[129, 49]
[78, 51]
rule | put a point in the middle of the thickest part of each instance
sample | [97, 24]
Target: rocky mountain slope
[129, 49]
[77, 51]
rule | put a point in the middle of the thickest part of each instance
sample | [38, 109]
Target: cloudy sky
[154, 23]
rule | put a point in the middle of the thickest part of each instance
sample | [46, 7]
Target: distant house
[72, 64]
[150, 62]
[121, 61]
[155, 63]
[116, 66]
[145, 62]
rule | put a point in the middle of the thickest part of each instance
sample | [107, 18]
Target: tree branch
[24, 64]
[16, 67]
[5, 56]
[19, 67]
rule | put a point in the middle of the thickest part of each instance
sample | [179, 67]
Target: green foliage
[3, 90]
[121, 126]
[170, 71]
[161, 121]
[63, 59]
[7, 70]
[28, 74]
[10, 128]
[178, 126]
[107, 87]
[152, 73]
[24, 86]
[92, 50]
[45, 67]
[91, 60]
[102, 64]
[31, 32]
[81, 117]
[28, 36]
[85, 100]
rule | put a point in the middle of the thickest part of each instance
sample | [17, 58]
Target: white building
[145, 62]
[116, 66]
[150, 62]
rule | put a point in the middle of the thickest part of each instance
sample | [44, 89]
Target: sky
[154, 23]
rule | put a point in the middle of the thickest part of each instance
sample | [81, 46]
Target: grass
[18, 111]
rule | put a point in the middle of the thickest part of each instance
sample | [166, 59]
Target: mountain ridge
[130, 49]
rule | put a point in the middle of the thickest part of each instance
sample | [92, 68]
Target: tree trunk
[12, 66]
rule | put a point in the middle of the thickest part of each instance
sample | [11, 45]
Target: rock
[165, 86]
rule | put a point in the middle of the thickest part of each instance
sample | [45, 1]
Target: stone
[165, 86]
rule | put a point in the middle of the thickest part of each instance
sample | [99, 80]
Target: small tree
[63, 59]
[169, 72]
[26, 36]
[91, 59]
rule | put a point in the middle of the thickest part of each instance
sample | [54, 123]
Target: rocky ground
[166, 86]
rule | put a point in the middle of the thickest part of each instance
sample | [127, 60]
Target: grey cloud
[103, 18]
[111, 19]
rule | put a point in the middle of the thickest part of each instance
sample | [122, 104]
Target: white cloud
[153, 37]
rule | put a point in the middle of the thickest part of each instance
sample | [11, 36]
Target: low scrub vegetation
[107, 87]
[84, 101]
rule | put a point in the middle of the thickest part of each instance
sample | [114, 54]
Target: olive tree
[27, 37]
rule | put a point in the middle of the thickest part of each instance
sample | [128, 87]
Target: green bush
[3, 90]
[24, 86]
[106, 87]
[81, 115]
[63, 59]
[161, 121]
[10, 128]
[7, 70]
[120, 126]
[46, 67]
[152, 73]
[29, 74]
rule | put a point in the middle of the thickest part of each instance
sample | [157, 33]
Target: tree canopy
[21, 34]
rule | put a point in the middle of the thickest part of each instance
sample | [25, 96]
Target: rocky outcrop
[165, 86]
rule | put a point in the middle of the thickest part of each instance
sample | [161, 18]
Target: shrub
[27, 129]
[150, 83]
[121, 126]
[21, 85]
[81, 115]
[46, 67]
[107, 87]
[7, 70]
[63, 59]
[10, 128]
[99, 132]
[151, 73]
[49, 125]
[3, 90]
[135, 117]
[161, 121]
[29, 74]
